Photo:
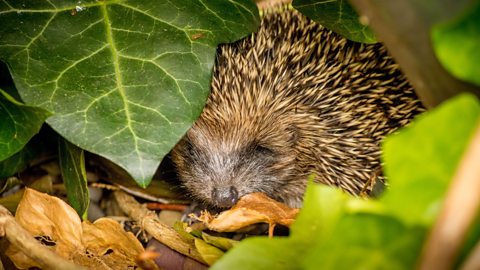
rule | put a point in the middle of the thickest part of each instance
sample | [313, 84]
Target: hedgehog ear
[293, 133]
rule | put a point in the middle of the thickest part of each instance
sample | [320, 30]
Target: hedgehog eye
[188, 148]
[263, 150]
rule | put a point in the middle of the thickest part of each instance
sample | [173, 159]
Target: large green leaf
[262, 253]
[18, 124]
[457, 44]
[338, 16]
[323, 208]
[366, 241]
[125, 78]
[420, 161]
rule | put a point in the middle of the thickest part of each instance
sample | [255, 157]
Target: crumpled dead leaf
[101, 245]
[251, 209]
[107, 240]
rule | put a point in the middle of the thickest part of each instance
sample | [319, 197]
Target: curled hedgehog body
[291, 100]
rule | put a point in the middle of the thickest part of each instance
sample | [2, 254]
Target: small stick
[271, 229]
[162, 206]
[160, 231]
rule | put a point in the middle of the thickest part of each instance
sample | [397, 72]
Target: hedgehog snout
[225, 197]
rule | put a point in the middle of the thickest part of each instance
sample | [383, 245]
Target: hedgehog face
[221, 165]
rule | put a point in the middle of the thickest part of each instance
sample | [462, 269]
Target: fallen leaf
[251, 209]
[208, 252]
[107, 241]
[222, 243]
[101, 245]
[180, 228]
[51, 221]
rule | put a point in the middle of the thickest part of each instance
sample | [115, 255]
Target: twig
[20, 238]
[271, 229]
[162, 206]
[163, 233]
[458, 213]
[143, 195]
[132, 192]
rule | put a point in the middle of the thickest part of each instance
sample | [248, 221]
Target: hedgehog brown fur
[291, 100]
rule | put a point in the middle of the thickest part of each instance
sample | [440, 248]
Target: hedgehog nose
[225, 197]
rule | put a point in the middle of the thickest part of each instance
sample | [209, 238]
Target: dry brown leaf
[251, 209]
[101, 245]
[50, 220]
[106, 240]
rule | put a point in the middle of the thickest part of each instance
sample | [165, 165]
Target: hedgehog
[292, 100]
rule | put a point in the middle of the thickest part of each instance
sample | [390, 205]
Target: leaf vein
[119, 81]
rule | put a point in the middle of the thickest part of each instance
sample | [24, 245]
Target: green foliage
[336, 231]
[420, 161]
[72, 166]
[331, 206]
[18, 124]
[262, 253]
[17, 161]
[457, 44]
[338, 16]
[222, 243]
[208, 252]
[367, 241]
[125, 79]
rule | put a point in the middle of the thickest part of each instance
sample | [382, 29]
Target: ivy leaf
[457, 44]
[422, 159]
[125, 78]
[367, 241]
[18, 125]
[18, 161]
[338, 16]
[72, 166]
[261, 253]
[323, 208]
